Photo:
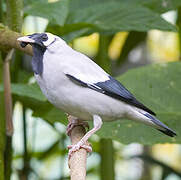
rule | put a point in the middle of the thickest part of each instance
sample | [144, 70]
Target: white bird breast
[74, 99]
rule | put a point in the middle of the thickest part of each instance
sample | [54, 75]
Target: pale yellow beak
[26, 39]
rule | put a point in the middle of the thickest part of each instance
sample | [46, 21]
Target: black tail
[168, 132]
[161, 127]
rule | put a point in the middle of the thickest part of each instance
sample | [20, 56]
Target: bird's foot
[75, 147]
[71, 125]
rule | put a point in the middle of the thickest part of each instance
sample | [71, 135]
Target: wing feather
[114, 89]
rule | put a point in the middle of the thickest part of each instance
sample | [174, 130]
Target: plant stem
[7, 94]
[1, 158]
[14, 21]
[1, 11]
[8, 114]
[146, 174]
[102, 57]
[25, 171]
[14, 14]
[107, 159]
[2, 135]
[107, 150]
[8, 157]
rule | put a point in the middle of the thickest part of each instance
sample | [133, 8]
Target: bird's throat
[37, 60]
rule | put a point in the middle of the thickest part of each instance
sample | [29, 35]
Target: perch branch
[8, 40]
[77, 162]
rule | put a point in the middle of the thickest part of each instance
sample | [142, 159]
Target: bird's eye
[44, 38]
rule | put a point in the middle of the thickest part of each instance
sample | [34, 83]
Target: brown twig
[77, 162]
[7, 94]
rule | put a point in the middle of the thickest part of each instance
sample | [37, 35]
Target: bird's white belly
[80, 101]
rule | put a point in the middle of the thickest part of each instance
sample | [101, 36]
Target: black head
[39, 43]
[40, 39]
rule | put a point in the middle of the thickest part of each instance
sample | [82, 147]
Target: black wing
[113, 88]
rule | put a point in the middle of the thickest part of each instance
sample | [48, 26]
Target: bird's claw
[75, 147]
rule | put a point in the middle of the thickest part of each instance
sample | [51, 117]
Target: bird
[74, 83]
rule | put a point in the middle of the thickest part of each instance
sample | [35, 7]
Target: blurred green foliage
[157, 86]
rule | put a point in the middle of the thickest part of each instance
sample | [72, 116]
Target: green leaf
[55, 12]
[107, 16]
[158, 87]
[68, 32]
[160, 6]
[27, 90]
[113, 16]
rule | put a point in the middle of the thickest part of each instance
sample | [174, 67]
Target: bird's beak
[25, 40]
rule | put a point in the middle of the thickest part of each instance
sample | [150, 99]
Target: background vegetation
[117, 35]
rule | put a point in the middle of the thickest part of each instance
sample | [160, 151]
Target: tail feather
[168, 132]
[160, 126]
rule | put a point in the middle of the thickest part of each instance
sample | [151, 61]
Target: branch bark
[8, 40]
[77, 162]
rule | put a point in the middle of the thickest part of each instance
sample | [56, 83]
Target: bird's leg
[97, 121]
[75, 122]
